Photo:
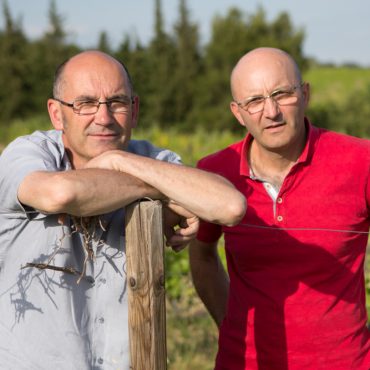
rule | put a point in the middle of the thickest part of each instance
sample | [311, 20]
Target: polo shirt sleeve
[20, 158]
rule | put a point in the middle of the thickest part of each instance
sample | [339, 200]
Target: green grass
[191, 146]
[335, 84]
[191, 337]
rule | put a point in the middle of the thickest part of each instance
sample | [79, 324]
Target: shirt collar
[312, 137]
[63, 153]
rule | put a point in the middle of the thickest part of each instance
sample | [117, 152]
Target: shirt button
[103, 281]
[100, 360]
[280, 200]
[280, 218]
[101, 320]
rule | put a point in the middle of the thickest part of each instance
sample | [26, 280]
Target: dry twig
[88, 227]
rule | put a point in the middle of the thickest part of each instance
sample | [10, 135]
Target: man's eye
[118, 103]
[281, 94]
[83, 104]
[256, 100]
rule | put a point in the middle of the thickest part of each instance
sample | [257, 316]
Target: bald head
[261, 68]
[92, 60]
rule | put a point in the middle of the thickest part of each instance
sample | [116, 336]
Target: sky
[337, 31]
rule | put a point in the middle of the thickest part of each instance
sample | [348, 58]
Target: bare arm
[207, 195]
[84, 192]
[210, 278]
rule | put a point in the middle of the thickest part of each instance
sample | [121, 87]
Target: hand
[107, 160]
[180, 225]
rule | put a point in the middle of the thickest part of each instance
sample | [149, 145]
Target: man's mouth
[275, 125]
[103, 134]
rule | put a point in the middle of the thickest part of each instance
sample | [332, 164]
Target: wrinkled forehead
[262, 74]
[95, 77]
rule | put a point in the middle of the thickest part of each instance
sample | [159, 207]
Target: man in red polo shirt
[294, 295]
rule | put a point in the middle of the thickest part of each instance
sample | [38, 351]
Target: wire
[259, 226]
[303, 229]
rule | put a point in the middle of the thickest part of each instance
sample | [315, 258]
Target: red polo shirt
[297, 295]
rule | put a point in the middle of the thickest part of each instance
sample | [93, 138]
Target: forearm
[207, 195]
[83, 192]
[210, 278]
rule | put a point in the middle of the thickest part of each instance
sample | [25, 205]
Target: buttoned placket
[274, 194]
[99, 286]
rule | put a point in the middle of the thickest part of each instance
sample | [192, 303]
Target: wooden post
[146, 283]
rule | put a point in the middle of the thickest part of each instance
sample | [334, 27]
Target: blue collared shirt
[47, 320]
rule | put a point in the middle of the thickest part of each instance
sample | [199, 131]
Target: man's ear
[236, 112]
[306, 90]
[135, 111]
[55, 114]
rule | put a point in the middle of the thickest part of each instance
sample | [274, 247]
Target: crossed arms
[116, 178]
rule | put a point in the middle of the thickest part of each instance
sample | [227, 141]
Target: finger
[179, 240]
[178, 248]
[187, 231]
[62, 218]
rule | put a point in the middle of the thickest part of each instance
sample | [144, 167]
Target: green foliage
[334, 84]
[188, 63]
[192, 146]
[161, 56]
[191, 338]
[232, 36]
[103, 43]
[13, 68]
[339, 99]
[179, 82]
[20, 127]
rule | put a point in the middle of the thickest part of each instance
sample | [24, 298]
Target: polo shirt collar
[312, 137]
[306, 155]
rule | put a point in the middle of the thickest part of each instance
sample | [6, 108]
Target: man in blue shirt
[62, 195]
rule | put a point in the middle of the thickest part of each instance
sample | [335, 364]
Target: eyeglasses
[282, 96]
[86, 107]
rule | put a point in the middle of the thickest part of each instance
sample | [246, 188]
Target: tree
[354, 117]
[227, 44]
[280, 33]
[56, 34]
[13, 69]
[136, 59]
[161, 57]
[103, 43]
[188, 64]
[45, 56]
[232, 37]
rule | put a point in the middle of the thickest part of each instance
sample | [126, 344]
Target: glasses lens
[86, 107]
[255, 105]
[118, 106]
[285, 97]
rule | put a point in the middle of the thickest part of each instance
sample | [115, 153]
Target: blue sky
[336, 30]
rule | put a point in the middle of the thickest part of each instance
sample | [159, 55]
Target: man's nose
[103, 116]
[271, 108]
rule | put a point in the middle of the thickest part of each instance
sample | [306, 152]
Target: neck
[76, 163]
[272, 166]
